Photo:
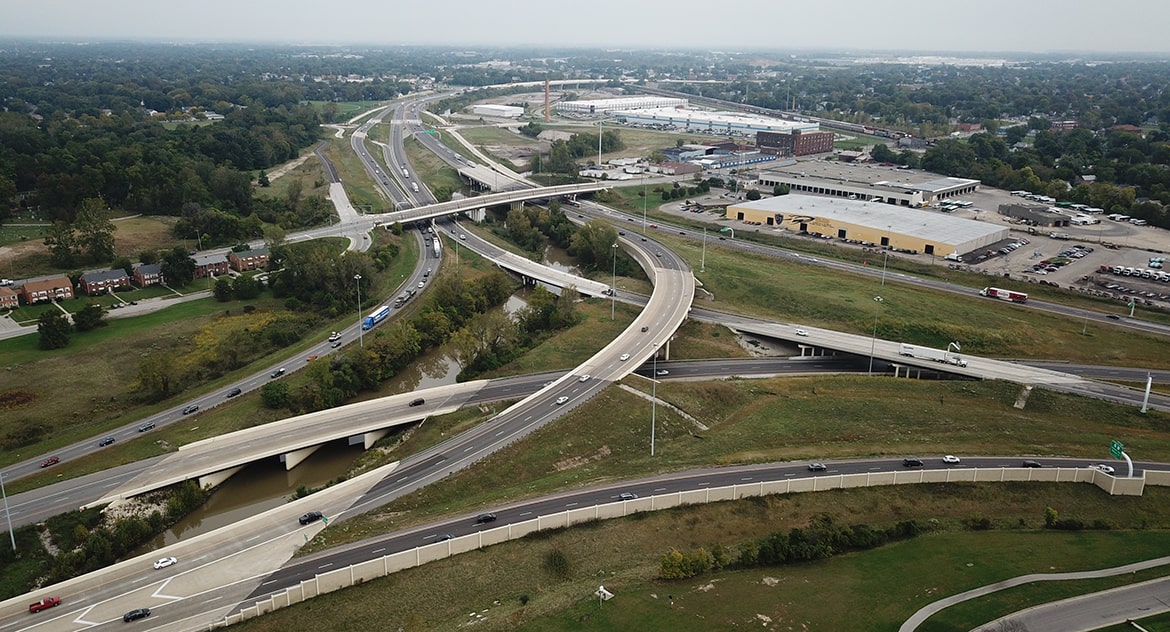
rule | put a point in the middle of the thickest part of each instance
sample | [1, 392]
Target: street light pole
[873, 339]
[361, 339]
[653, 398]
[11, 533]
[613, 286]
[703, 261]
[643, 203]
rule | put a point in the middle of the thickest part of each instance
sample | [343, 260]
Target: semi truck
[1004, 295]
[927, 353]
[376, 317]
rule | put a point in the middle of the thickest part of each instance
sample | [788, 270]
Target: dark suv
[1032, 464]
[135, 615]
[312, 516]
[487, 517]
[190, 409]
[911, 462]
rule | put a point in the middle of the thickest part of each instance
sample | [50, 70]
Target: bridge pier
[216, 478]
[368, 439]
[294, 458]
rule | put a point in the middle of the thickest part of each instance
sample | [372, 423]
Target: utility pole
[361, 339]
[11, 533]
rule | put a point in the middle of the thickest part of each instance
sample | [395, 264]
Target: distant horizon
[1009, 55]
[1074, 27]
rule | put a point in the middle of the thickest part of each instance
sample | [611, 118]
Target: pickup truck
[44, 604]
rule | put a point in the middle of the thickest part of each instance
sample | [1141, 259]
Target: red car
[50, 461]
[44, 604]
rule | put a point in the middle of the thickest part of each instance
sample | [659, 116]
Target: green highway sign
[1115, 449]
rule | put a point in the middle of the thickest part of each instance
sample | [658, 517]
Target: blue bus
[376, 317]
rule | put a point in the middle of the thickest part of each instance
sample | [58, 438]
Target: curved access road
[1077, 614]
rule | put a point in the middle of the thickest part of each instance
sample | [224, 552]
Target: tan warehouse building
[871, 223]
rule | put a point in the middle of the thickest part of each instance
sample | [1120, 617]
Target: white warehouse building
[714, 122]
[620, 104]
[502, 111]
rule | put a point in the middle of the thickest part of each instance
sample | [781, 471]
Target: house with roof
[54, 289]
[146, 275]
[9, 299]
[103, 281]
[210, 265]
[246, 260]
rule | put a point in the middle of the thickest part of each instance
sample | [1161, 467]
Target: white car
[950, 458]
[561, 400]
[584, 378]
[625, 356]
[662, 372]
[164, 562]
[1108, 469]
[462, 236]
[801, 332]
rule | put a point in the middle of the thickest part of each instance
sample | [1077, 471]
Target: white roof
[927, 225]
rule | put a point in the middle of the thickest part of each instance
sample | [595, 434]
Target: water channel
[264, 485]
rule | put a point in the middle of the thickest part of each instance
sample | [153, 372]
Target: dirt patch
[578, 461]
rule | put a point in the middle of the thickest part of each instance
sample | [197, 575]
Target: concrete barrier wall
[394, 562]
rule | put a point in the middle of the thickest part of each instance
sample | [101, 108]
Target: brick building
[794, 143]
[249, 260]
[56, 288]
[99, 282]
[210, 265]
[9, 299]
[147, 275]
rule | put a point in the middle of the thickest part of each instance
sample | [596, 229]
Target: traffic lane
[45, 502]
[667, 484]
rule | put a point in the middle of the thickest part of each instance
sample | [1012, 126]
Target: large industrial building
[835, 179]
[503, 111]
[620, 104]
[871, 223]
[724, 123]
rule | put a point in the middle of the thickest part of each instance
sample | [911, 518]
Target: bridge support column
[294, 458]
[666, 350]
[370, 438]
[216, 478]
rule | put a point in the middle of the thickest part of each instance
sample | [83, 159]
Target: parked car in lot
[310, 516]
[135, 615]
[190, 409]
[485, 517]
[817, 466]
[53, 460]
[105, 442]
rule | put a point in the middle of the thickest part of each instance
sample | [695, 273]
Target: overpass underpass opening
[261, 486]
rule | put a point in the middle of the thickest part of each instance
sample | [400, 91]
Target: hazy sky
[922, 25]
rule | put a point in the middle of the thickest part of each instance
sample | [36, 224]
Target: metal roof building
[619, 104]
[871, 223]
[713, 122]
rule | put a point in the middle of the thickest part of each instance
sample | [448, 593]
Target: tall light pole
[873, 339]
[613, 286]
[653, 398]
[886, 254]
[703, 261]
[643, 203]
[11, 533]
[361, 339]
[599, 144]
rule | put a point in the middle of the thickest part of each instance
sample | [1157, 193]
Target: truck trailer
[1004, 295]
[927, 353]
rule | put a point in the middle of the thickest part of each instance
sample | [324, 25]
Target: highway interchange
[533, 412]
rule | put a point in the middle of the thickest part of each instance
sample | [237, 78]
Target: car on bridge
[800, 332]
[417, 402]
[165, 562]
[135, 615]
[44, 604]
[310, 516]
[625, 356]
